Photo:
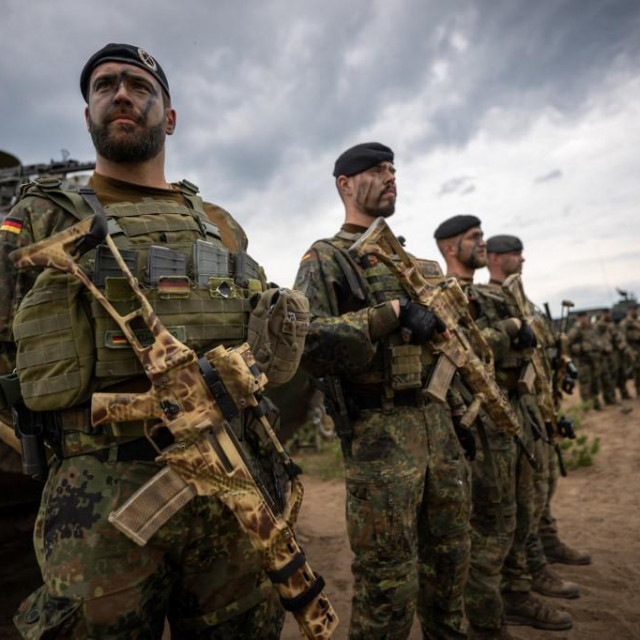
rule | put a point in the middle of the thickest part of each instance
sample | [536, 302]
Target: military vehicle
[13, 174]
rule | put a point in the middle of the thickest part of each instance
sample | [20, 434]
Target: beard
[135, 146]
[474, 260]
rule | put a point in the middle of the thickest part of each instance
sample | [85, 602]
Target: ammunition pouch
[278, 326]
[405, 365]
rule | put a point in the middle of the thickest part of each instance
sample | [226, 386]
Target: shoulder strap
[68, 199]
[189, 192]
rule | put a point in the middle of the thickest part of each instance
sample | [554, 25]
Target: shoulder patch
[310, 254]
[12, 225]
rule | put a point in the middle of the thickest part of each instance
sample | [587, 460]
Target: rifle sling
[306, 597]
[282, 574]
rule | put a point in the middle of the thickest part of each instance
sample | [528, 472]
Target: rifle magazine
[440, 379]
[152, 505]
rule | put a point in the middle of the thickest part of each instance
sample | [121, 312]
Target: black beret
[122, 53]
[455, 226]
[504, 244]
[361, 157]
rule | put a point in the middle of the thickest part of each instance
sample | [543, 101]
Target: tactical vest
[494, 307]
[396, 364]
[67, 344]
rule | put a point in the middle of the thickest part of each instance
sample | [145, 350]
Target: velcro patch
[12, 225]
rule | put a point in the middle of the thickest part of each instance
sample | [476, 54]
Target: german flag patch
[12, 225]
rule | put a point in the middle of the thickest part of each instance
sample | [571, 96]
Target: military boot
[624, 394]
[564, 554]
[480, 633]
[548, 583]
[526, 609]
[596, 404]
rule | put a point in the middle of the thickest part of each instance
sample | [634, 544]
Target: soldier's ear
[343, 184]
[86, 116]
[170, 120]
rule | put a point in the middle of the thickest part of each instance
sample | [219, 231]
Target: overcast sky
[526, 114]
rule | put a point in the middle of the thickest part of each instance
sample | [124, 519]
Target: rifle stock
[195, 398]
[449, 303]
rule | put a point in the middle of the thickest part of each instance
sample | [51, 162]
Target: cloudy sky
[524, 113]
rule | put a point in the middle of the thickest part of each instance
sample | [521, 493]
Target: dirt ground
[597, 508]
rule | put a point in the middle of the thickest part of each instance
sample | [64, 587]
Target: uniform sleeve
[232, 234]
[339, 341]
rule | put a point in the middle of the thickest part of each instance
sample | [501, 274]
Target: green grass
[325, 464]
[581, 451]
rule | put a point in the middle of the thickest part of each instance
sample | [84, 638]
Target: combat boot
[526, 609]
[624, 394]
[480, 633]
[596, 404]
[548, 583]
[562, 553]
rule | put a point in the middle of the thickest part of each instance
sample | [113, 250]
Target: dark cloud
[256, 83]
[556, 174]
[461, 185]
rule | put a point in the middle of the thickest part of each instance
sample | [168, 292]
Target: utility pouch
[278, 326]
[55, 343]
[405, 366]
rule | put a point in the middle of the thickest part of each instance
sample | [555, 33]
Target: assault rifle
[542, 372]
[195, 398]
[451, 347]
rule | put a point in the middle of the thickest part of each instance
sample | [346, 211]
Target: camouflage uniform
[199, 570]
[631, 328]
[610, 363]
[407, 480]
[502, 500]
[586, 347]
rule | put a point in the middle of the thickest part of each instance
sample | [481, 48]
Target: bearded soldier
[406, 474]
[199, 570]
[499, 587]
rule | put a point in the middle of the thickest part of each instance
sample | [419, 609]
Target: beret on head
[122, 53]
[455, 226]
[504, 244]
[360, 158]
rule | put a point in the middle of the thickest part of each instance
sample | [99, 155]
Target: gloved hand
[526, 338]
[465, 438]
[419, 321]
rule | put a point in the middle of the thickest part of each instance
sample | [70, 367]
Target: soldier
[631, 328]
[502, 478]
[504, 258]
[199, 570]
[407, 479]
[586, 346]
[616, 353]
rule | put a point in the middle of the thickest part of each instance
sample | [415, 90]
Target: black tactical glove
[420, 322]
[526, 338]
[465, 438]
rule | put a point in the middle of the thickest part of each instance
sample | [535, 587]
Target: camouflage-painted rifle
[543, 378]
[452, 348]
[194, 398]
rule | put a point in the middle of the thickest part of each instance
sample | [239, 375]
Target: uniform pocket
[42, 616]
